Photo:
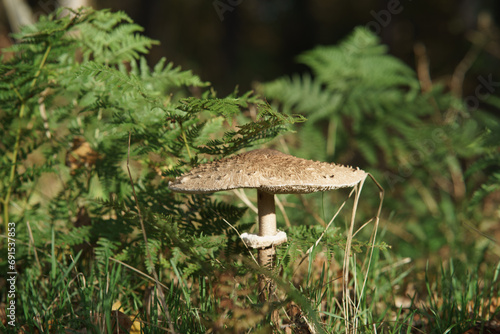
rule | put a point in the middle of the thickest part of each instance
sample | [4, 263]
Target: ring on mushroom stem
[270, 172]
[262, 242]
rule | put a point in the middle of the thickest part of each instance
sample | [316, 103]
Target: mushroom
[270, 172]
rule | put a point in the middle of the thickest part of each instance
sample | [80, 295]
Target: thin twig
[422, 63]
[237, 232]
[457, 79]
[362, 227]
[241, 195]
[139, 272]
[424, 77]
[283, 212]
[489, 237]
[401, 262]
[310, 325]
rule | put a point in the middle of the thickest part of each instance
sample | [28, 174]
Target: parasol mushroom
[270, 172]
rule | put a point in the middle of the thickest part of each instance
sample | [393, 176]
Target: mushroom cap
[268, 170]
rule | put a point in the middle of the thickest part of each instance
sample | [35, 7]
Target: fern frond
[306, 95]
[357, 86]
[111, 76]
[227, 107]
[112, 38]
[174, 76]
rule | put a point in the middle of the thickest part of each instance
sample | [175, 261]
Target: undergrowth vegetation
[92, 135]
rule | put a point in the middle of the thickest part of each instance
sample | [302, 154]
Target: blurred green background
[259, 40]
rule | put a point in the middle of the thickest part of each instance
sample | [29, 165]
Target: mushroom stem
[267, 227]
[267, 214]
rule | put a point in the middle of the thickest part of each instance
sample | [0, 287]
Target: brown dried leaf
[81, 154]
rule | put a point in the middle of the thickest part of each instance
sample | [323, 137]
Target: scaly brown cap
[268, 170]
